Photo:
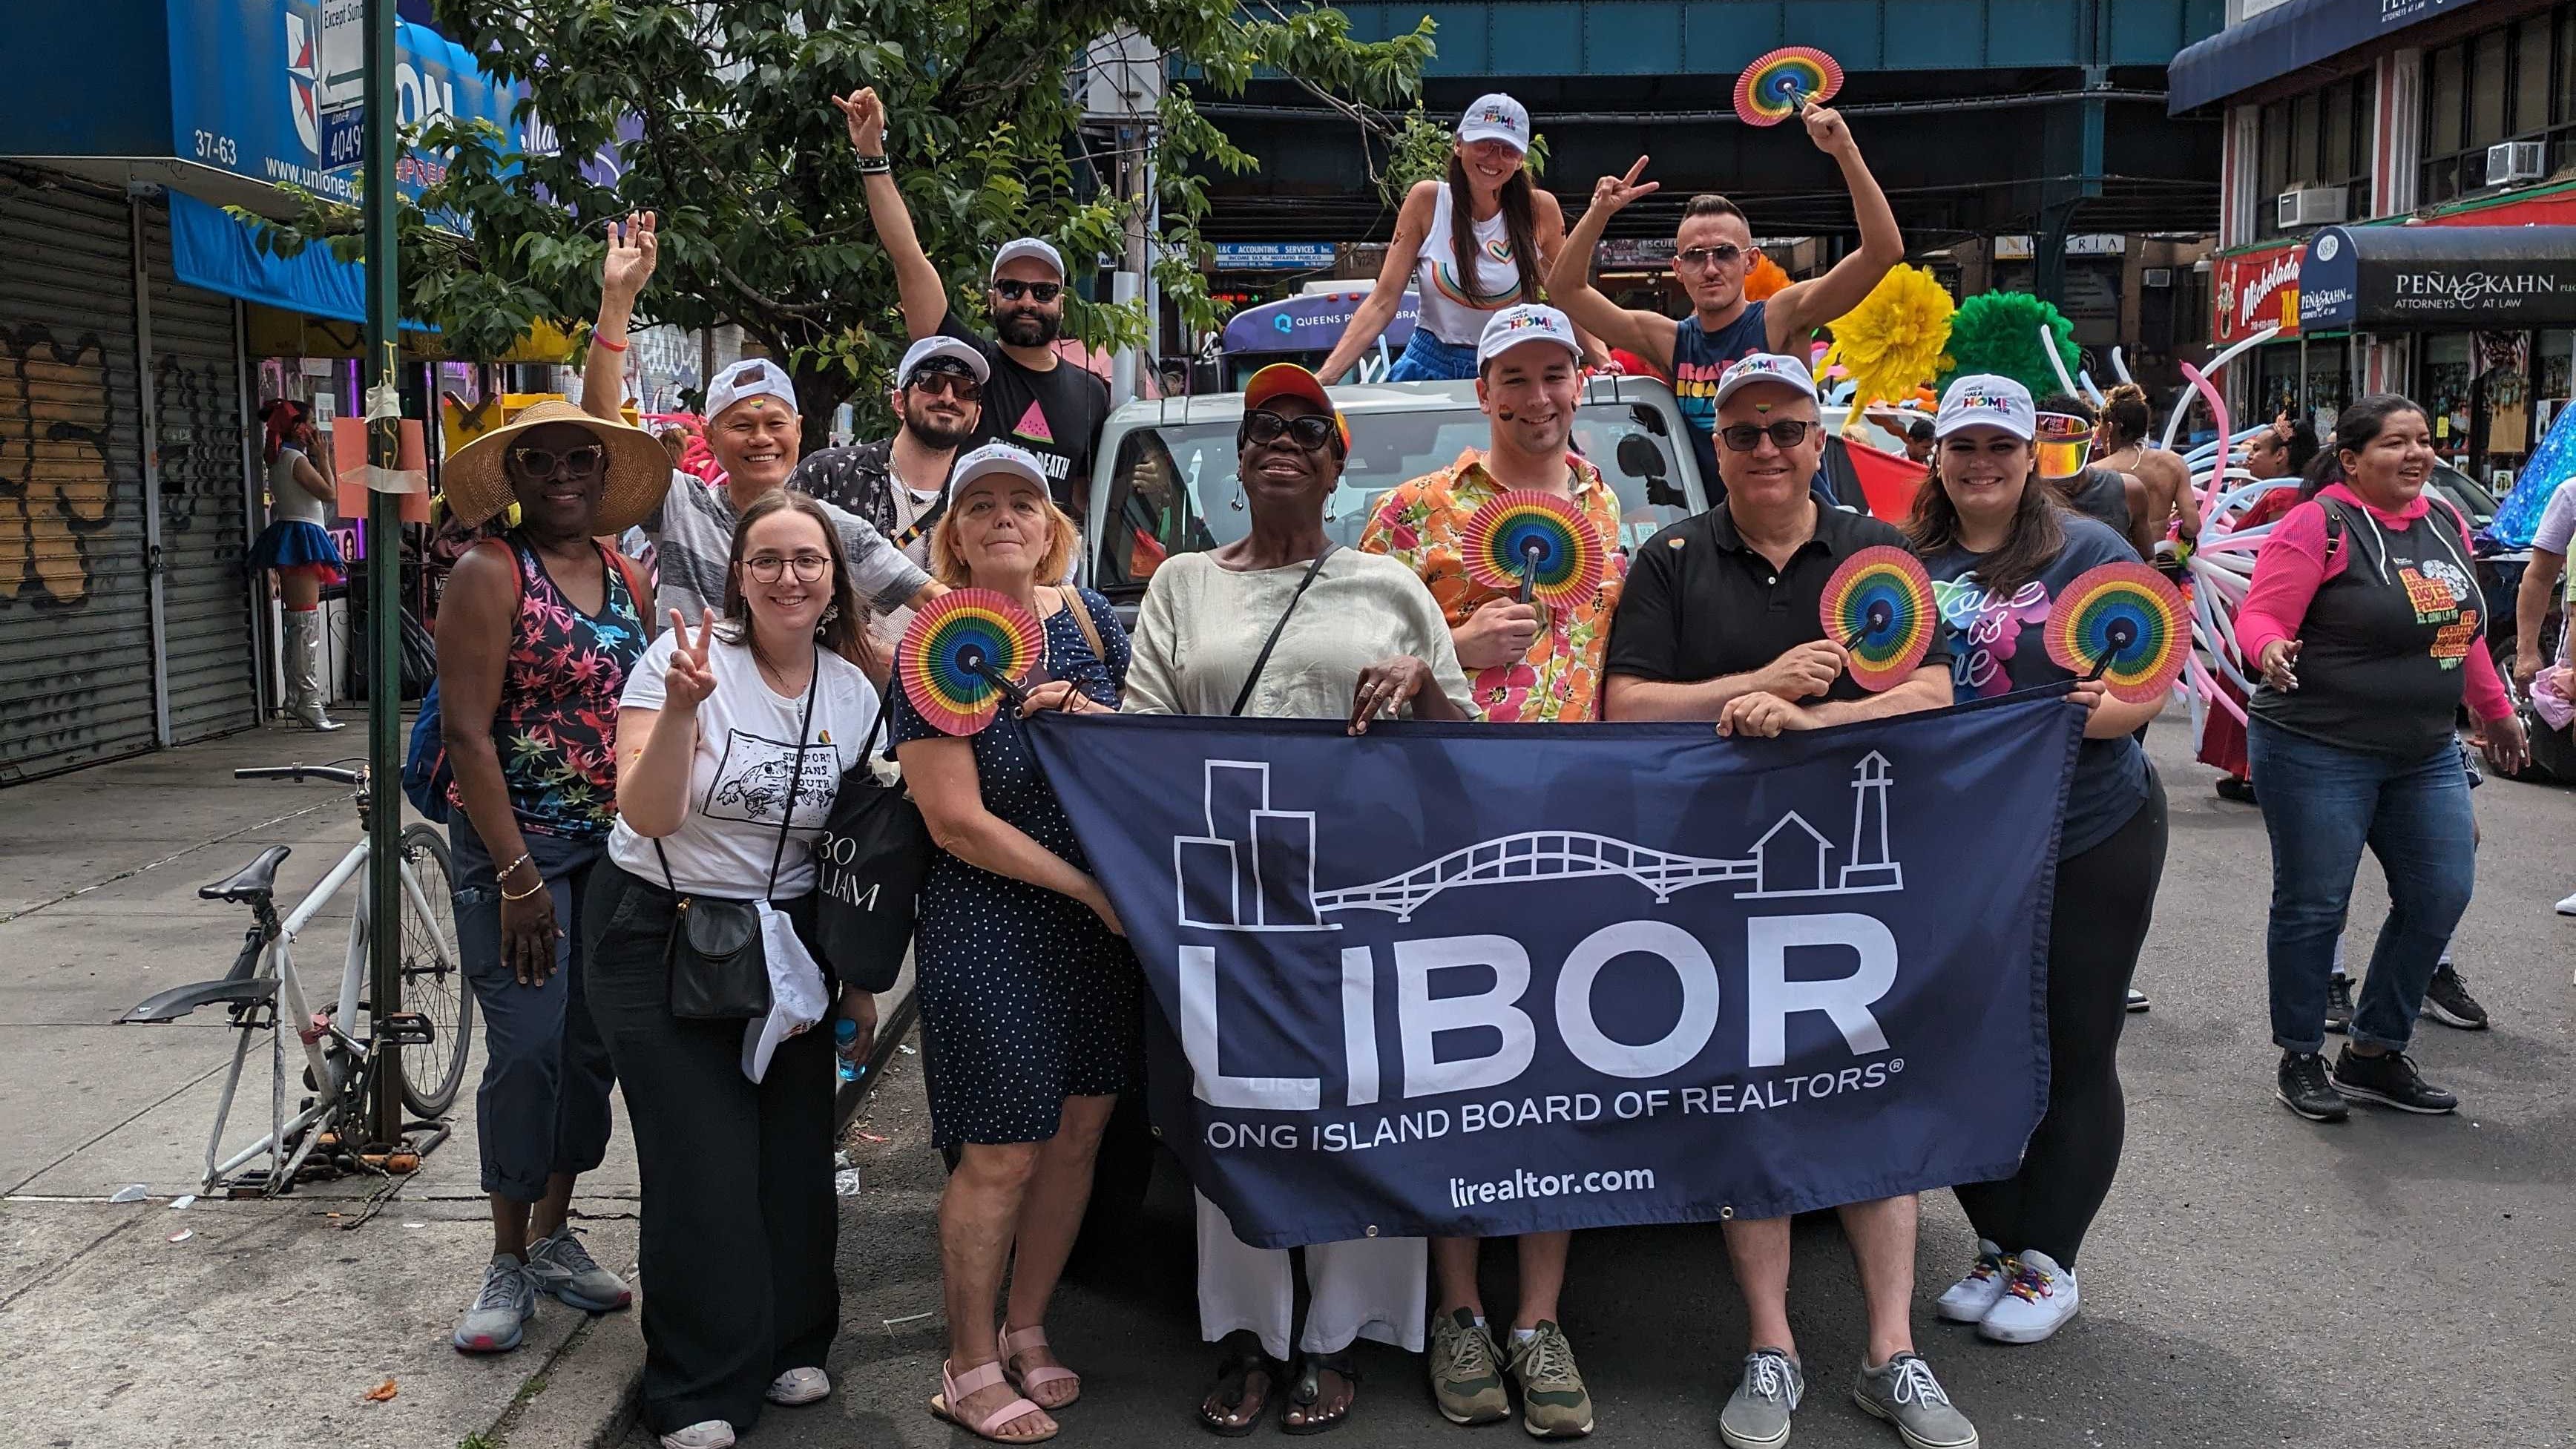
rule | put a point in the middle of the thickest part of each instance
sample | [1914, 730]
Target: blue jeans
[2321, 805]
[543, 1105]
[1428, 359]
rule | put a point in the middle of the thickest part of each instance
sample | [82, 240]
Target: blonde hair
[948, 565]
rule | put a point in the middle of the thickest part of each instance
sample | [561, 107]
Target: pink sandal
[955, 1390]
[1020, 1341]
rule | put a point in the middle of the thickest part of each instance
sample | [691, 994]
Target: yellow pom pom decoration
[1891, 343]
[1765, 280]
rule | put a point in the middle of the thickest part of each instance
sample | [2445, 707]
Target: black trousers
[2106, 898]
[739, 1218]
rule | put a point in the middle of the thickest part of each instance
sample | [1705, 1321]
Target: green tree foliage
[763, 221]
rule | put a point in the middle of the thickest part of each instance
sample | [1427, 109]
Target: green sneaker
[1553, 1403]
[1464, 1380]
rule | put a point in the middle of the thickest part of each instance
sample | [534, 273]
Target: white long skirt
[1374, 1288]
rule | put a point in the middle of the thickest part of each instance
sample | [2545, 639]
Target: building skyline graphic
[1254, 869]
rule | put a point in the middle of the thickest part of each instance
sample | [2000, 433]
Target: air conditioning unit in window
[2156, 276]
[2312, 206]
[2513, 161]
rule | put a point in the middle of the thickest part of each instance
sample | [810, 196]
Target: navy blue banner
[1500, 979]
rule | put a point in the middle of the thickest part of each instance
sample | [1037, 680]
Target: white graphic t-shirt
[747, 757]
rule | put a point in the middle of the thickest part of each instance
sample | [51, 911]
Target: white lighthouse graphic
[1254, 869]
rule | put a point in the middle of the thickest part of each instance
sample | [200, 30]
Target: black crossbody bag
[1261, 660]
[718, 970]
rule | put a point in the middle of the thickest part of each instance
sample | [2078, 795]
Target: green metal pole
[384, 577]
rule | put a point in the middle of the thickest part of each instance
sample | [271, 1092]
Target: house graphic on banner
[1254, 869]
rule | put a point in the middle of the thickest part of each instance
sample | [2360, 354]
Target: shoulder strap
[1082, 620]
[636, 591]
[518, 579]
[795, 776]
[1262, 660]
[921, 526]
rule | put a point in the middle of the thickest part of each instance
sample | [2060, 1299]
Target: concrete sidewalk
[134, 1326]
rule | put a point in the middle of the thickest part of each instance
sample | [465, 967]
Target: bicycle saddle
[253, 882]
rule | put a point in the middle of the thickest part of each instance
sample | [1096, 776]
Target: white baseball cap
[1029, 246]
[940, 345]
[1757, 367]
[751, 377]
[992, 459]
[1527, 322]
[1983, 400]
[1497, 117]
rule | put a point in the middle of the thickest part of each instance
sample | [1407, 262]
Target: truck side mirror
[1639, 457]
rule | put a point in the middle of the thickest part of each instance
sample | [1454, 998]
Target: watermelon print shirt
[556, 727]
[1559, 681]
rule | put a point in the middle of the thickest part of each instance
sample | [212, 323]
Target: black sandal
[1243, 1358]
[1307, 1389]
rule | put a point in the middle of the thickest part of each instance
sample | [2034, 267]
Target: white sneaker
[2036, 1303]
[1970, 1297]
[799, 1386]
[2567, 907]
[705, 1434]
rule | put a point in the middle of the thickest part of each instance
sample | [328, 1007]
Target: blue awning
[2284, 38]
[211, 251]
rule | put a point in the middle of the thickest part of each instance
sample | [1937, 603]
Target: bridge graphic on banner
[1254, 870]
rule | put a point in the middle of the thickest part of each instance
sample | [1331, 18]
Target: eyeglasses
[1784, 435]
[765, 568]
[1013, 289]
[1312, 431]
[1700, 259]
[955, 384]
[579, 462]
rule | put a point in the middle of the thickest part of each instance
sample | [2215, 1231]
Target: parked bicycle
[430, 1028]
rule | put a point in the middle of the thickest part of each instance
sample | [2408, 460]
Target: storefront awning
[2423, 278]
[210, 250]
[2280, 40]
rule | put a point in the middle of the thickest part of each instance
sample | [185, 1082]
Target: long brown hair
[2034, 539]
[844, 630]
[1520, 223]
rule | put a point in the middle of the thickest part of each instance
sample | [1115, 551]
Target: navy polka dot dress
[1026, 998]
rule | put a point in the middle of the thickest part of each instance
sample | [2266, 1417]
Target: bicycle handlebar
[301, 772]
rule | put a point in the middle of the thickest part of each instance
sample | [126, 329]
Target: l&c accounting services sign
[2255, 290]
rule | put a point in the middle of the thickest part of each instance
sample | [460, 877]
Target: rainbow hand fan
[1879, 607]
[2124, 624]
[964, 655]
[1536, 543]
[1773, 88]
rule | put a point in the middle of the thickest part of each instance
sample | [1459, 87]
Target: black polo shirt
[1700, 602]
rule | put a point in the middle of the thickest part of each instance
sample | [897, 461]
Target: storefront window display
[2444, 389]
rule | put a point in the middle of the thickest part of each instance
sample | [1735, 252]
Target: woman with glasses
[1467, 247]
[537, 632]
[1282, 624]
[732, 737]
[1030, 998]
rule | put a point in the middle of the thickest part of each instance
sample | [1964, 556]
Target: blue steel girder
[1505, 38]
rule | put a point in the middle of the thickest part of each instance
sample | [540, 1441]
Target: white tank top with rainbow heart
[1456, 308]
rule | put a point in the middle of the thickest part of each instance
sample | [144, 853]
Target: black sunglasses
[1013, 289]
[1312, 432]
[580, 462]
[1745, 437]
[957, 384]
[1723, 254]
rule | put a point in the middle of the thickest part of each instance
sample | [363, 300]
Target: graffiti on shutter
[55, 417]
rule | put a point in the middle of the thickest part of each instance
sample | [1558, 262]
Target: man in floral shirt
[1526, 665]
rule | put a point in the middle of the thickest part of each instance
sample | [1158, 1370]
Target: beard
[1027, 328]
[941, 433]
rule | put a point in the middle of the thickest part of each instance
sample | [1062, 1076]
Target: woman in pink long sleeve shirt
[2367, 624]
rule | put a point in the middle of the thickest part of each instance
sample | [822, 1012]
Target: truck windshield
[1174, 490]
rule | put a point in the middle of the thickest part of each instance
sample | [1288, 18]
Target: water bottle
[844, 1032]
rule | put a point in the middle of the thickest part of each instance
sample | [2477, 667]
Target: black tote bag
[868, 869]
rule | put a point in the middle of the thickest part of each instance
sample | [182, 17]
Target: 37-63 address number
[222, 150]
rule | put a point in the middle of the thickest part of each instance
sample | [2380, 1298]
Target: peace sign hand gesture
[690, 679]
[1611, 194]
[633, 250]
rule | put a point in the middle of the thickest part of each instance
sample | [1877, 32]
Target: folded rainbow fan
[2124, 624]
[1773, 88]
[1536, 544]
[964, 655]
[1879, 607]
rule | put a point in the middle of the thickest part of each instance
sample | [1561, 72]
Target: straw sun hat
[639, 471]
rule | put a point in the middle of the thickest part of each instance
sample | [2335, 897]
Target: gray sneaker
[1757, 1416]
[1905, 1394]
[1466, 1381]
[508, 1299]
[560, 1265]
[1554, 1404]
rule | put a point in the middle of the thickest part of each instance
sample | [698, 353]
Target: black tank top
[2384, 641]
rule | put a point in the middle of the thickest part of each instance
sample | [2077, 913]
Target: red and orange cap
[1287, 379]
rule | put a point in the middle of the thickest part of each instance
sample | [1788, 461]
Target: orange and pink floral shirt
[1559, 681]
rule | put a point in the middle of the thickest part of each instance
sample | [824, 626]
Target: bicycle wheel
[433, 978]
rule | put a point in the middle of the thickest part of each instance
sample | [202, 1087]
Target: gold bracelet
[523, 895]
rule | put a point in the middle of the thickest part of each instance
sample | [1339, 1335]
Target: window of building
[2513, 83]
[2321, 139]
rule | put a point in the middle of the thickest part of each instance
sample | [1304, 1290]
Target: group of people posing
[626, 746]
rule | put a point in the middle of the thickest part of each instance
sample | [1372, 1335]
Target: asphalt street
[2255, 1279]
